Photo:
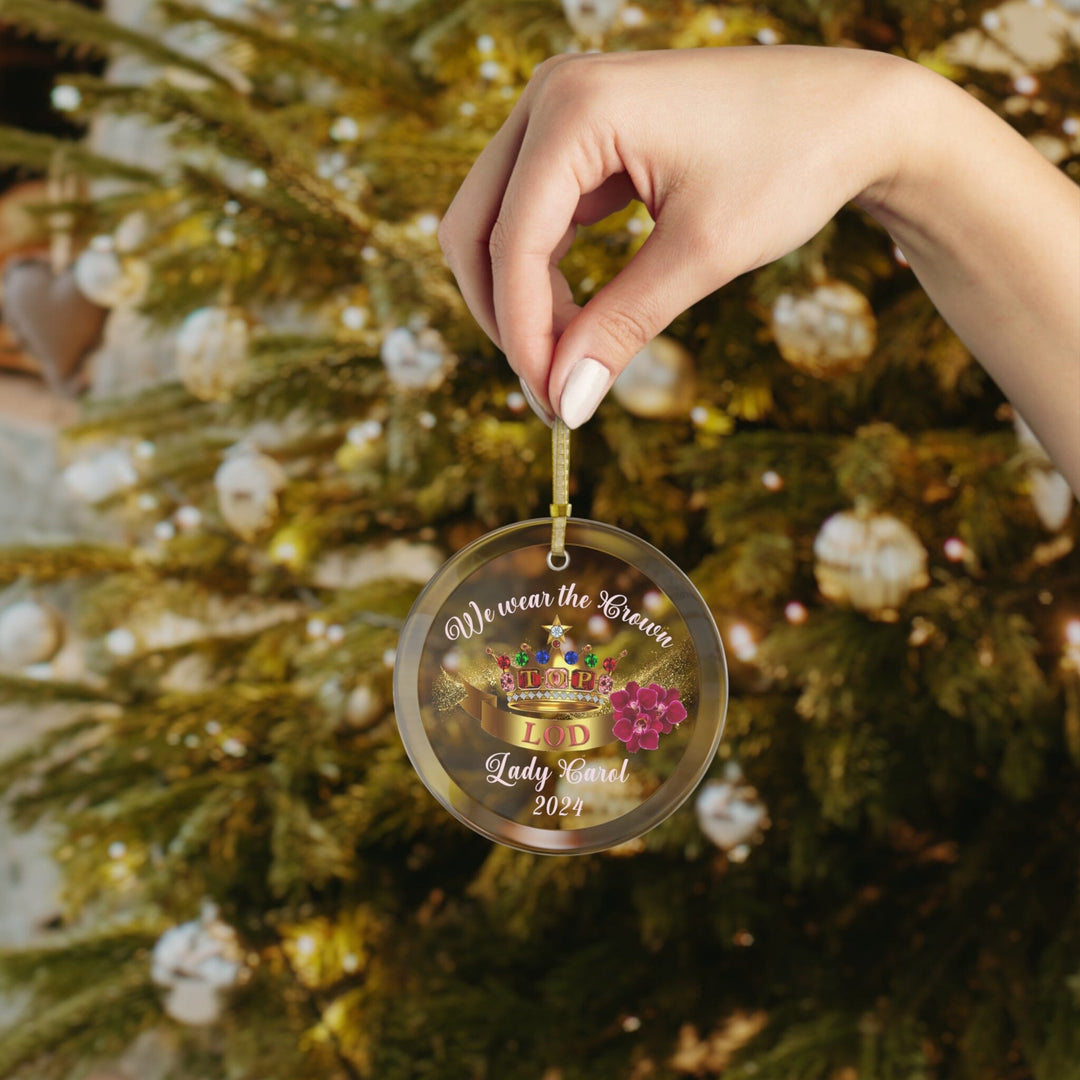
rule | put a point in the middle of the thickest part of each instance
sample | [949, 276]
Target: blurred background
[245, 415]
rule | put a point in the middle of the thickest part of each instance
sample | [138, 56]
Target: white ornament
[1050, 492]
[132, 232]
[108, 280]
[101, 476]
[730, 813]
[352, 568]
[367, 431]
[30, 633]
[196, 962]
[592, 18]
[363, 706]
[345, 129]
[211, 351]
[354, 317]
[247, 485]
[658, 383]
[1051, 496]
[66, 98]
[829, 331]
[415, 361]
[120, 642]
[871, 562]
[188, 517]
[428, 224]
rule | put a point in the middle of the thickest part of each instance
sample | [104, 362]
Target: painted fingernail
[584, 390]
[535, 405]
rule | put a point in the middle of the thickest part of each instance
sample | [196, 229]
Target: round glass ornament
[560, 705]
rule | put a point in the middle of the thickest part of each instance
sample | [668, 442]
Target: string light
[364, 432]
[188, 517]
[795, 613]
[955, 549]
[772, 480]
[120, 642]
[742, 642]
[354, 317]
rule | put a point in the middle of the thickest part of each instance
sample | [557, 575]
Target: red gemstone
[503, 662]
[610, 663]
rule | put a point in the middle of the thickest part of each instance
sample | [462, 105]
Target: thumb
[661, 281]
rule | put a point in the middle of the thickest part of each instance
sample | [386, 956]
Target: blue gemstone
[571, 657]
[542, 656]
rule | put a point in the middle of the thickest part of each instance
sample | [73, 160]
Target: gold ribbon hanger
[558, 558]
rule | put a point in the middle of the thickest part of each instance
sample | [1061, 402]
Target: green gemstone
[521, 659]
[591, 660]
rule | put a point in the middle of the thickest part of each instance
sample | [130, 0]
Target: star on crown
[556, 631]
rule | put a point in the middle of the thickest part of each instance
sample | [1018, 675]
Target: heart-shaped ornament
[48, 315]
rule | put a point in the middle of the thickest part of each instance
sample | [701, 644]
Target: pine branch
[375, 65]
[39, 152]
[118, 1001]
[14, 688]
[44, 563]
[90, 31]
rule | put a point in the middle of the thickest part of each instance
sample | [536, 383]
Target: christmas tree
[879, 877]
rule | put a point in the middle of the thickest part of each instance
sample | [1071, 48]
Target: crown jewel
[555, 679]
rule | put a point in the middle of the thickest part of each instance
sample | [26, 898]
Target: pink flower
[636, 722]
[670, 711]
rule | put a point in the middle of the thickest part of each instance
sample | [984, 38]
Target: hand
[739, 154]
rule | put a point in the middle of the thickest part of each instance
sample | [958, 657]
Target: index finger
[551, 175]
[465, 230]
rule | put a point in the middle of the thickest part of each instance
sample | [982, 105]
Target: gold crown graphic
[555, 679]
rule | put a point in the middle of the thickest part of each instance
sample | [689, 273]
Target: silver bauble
[658, 383]
[1050, 492]
[415, 361]
[1051, 496]
[729, 813]
[212, 351]
[871, 562]
[105, 278]
[592, 18]
[363, 706]
[829, 331]
[101, 476]
[196, 962]
[30, 633]
[247, 485]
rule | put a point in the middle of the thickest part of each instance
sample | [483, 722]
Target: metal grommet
[565, 561]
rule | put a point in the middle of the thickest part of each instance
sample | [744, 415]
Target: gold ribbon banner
[536, 733]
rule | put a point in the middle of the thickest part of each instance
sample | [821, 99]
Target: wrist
[910, 111]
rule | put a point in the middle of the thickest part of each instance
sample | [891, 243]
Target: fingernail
[583, 392]
[535, 405]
